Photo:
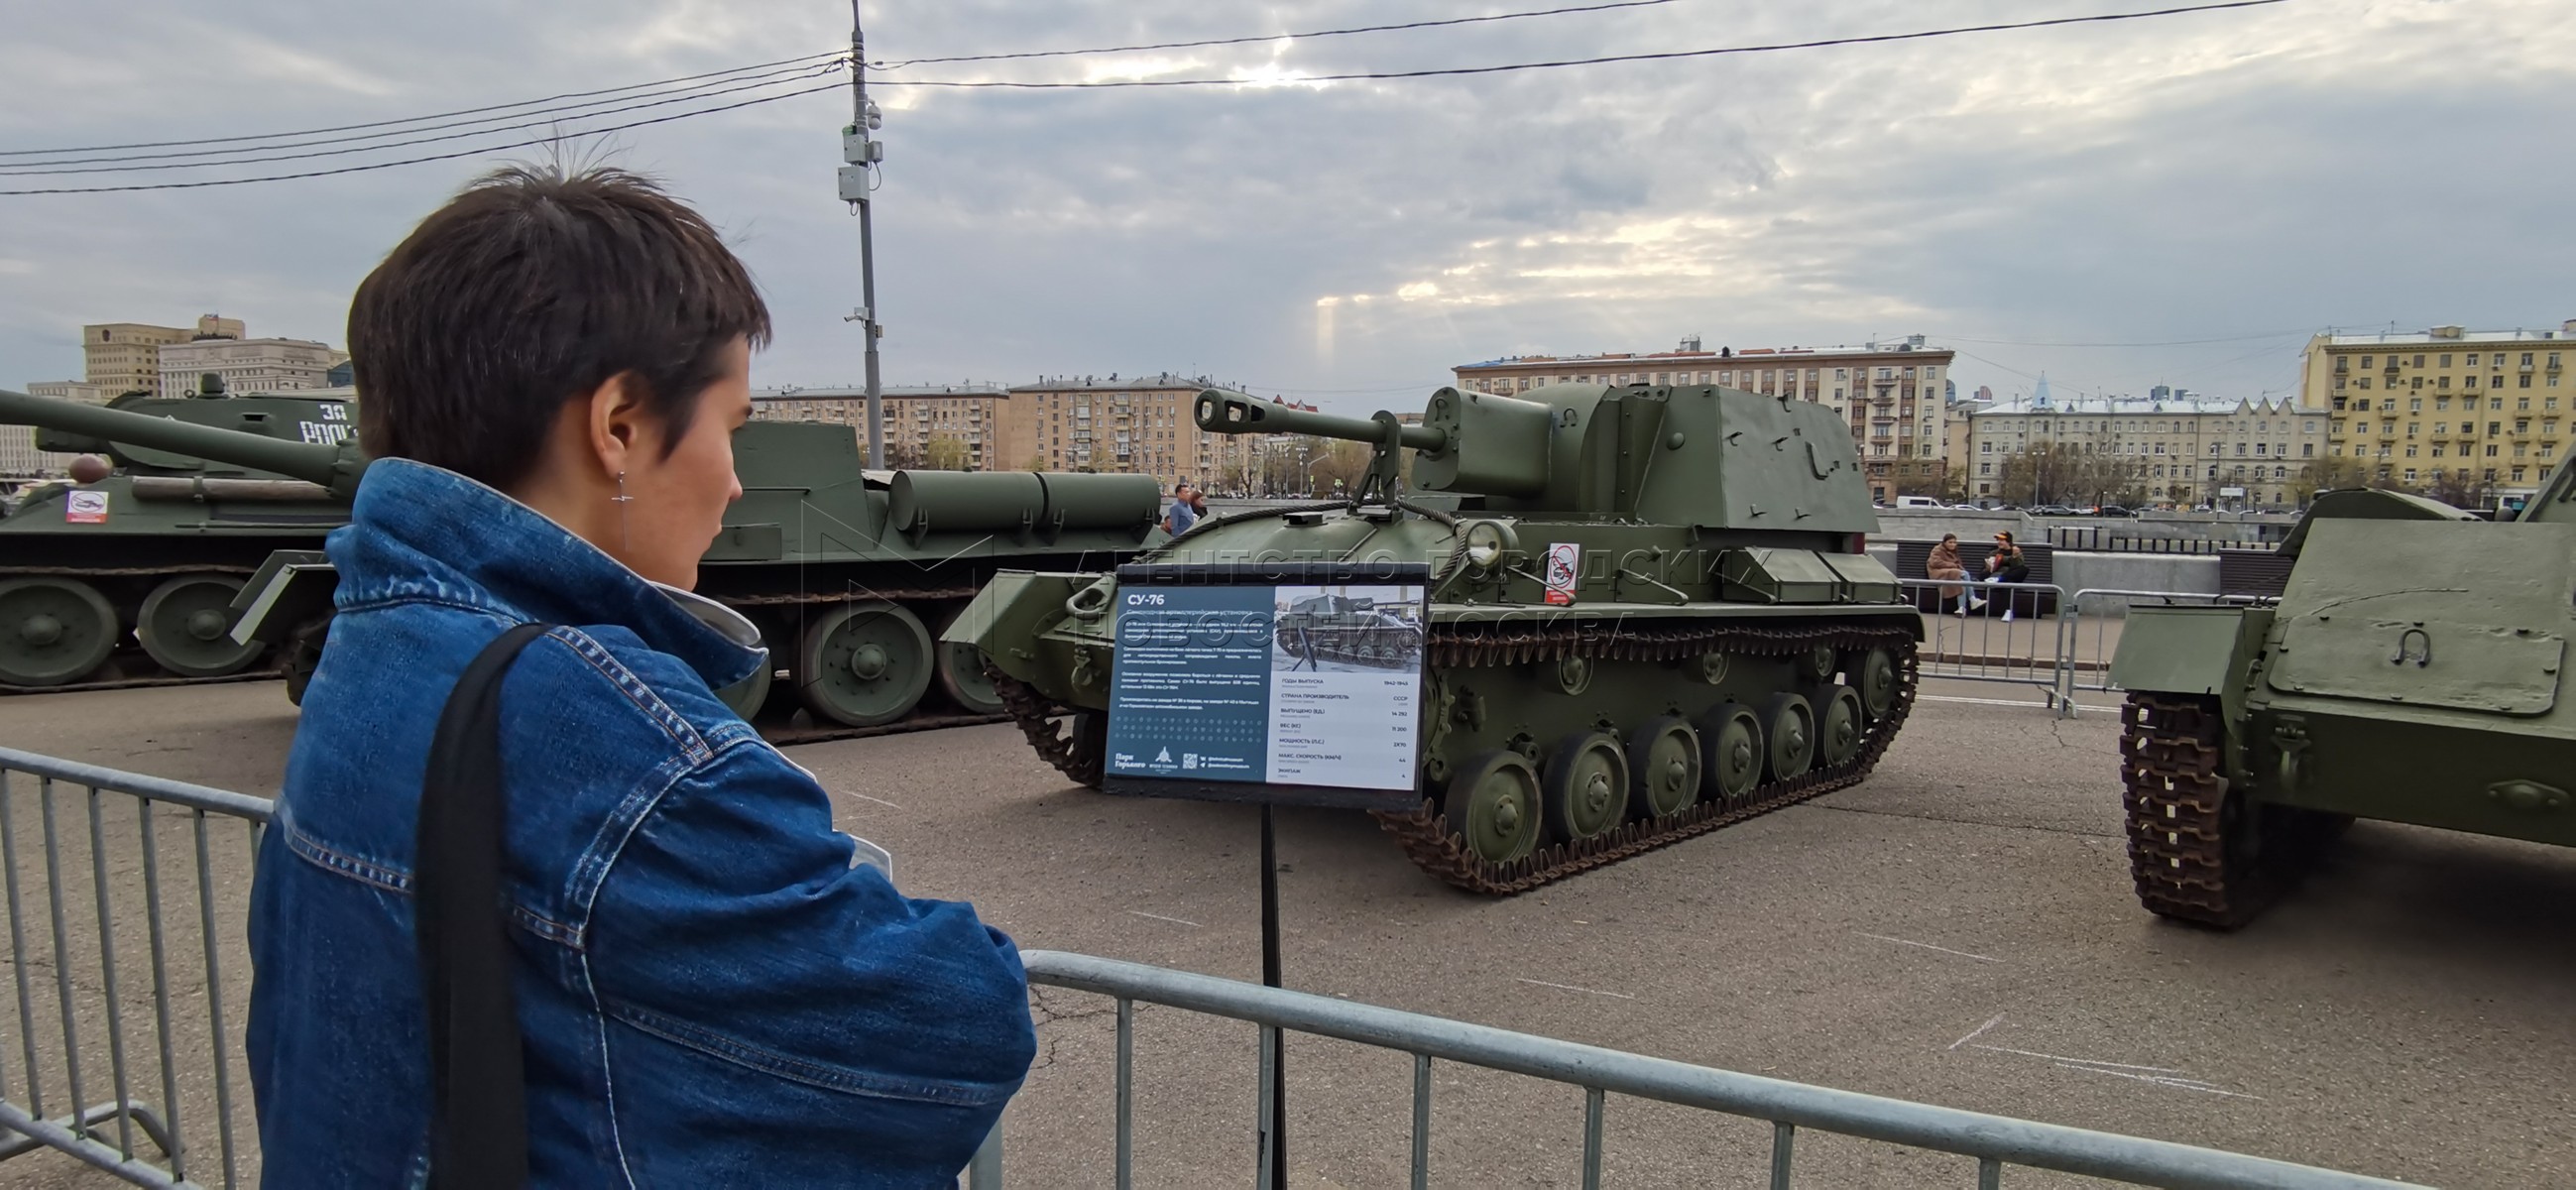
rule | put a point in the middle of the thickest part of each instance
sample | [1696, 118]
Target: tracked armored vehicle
[1347, 628]
[846, 571]
[127, 577]
[2411, 671]
[1650, 616]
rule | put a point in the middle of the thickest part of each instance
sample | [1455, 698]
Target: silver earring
[621, 499]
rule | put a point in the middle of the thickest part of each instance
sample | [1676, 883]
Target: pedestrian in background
[1944, 564]
[2006, 565]
[1185, 509]
[704, 983]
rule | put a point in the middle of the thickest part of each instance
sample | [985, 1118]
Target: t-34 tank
[846, 571]
[1719, 644]
[2411, 671]
[127, 575]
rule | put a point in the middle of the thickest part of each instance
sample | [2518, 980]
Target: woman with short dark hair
[713, 987]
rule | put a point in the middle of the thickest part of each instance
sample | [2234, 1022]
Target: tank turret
[145, 551]
[1650, 615]
[313, 440]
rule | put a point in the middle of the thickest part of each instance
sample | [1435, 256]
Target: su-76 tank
[2411, 671]
[846, 571]
[1348, 628]
[127, 576]
[1720, 646]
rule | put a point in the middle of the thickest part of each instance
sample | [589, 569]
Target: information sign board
[1297, 685]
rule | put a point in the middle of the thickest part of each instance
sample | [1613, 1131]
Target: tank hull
[2411, 672]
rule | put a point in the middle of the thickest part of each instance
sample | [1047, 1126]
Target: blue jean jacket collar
[419, 532]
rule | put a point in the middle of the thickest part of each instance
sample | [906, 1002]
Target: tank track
[1076, 748]
[2175, 790]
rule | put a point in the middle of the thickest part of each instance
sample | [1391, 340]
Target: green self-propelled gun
[1650, 616]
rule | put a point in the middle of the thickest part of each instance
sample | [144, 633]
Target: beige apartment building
[247, 365]
[1891, 394]
[126, 356]
[2192, 449]
[2420, 407]
[1139, 424]
[967, 414]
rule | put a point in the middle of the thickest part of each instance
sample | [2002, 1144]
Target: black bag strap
[478, 1086]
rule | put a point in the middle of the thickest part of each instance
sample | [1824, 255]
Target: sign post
[1295, 684]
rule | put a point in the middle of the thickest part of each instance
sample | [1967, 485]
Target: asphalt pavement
[1959, 929]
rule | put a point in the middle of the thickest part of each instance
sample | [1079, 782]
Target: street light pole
[860, 153]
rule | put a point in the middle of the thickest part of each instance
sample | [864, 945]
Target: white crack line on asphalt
[1997, 1019]
[1159, 917]
[878, 800]
[2162, 1076]
[1928, 946]
[1571, 988]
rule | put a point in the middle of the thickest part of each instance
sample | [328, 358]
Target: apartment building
[964, 418]
[2421, 407]
[1891, 394]
[1141, 424]
[2189, 448]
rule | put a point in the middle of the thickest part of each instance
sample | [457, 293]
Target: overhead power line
[466, 111]
[1772, 47]
[474, 152]
[479, 129]
[1259, 38]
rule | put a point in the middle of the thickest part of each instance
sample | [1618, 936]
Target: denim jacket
[712, 991]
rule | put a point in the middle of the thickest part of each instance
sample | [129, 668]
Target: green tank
[127, 577]
[847, 572]
[2408, 672]
[1650, 616]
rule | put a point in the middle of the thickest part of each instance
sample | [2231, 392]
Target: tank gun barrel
[1221, 412]
[334, 467]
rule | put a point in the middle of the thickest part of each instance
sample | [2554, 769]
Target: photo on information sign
[1347, 629]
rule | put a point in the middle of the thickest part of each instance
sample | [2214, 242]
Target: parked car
[2112, 510]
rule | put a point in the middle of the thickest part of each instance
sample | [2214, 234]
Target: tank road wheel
[1874, 675]
[1587, 786]
[1838, 727]
[1790, 725]
[1817, 664]
[1731, 752]
[1493, 800]
[961, 674]
[53, 631]
[864, 664]
[185, 625]
[1663, 758]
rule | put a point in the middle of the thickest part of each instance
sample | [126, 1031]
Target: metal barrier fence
[2089, 641]
[110, 994]
[1993, 1141]
[2115, 540]
[155, 1003]
[1967, 636]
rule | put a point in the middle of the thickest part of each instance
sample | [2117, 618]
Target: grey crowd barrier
[1994, 1142]
[128, 972]
[128, 977]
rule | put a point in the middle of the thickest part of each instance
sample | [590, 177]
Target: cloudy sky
[2178, 200]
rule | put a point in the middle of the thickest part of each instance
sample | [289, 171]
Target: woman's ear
[616, 422]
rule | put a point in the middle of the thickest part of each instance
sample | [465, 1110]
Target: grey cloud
[2199, 177]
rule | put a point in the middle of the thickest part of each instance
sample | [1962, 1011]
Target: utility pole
[860, 152]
